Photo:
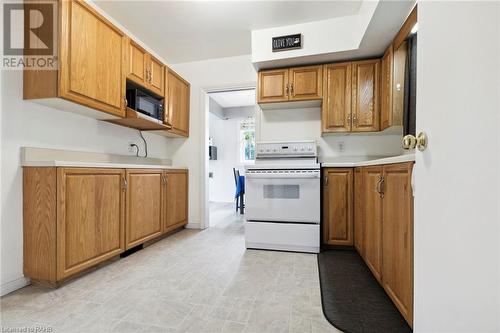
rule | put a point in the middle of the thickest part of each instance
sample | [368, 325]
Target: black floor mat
[353, 301]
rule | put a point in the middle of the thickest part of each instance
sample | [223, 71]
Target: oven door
[283, 195]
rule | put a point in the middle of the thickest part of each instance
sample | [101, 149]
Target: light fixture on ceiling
[415, 28]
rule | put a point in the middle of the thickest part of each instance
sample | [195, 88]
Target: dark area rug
[353, 301]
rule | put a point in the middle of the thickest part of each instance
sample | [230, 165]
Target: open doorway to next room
[231, 127]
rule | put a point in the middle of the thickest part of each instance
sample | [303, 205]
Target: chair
[239, 184]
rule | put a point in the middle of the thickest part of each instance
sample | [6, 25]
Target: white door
[457, 243]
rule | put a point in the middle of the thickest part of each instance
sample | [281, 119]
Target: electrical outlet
[341, 146]
[131, 148]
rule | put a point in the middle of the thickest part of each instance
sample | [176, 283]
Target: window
[247, 140]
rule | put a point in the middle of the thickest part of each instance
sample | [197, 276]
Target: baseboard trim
[192, 225]
[7, 288]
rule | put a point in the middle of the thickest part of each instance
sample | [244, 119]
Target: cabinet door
[90, 217]
[336, 111]
[397, 236]
[156, 75]
[337, 206]
[176, 199]
[386, 90]
[373, 219]
[306, 83]
[91, 59]
[273, 86]
[178, 91]
[144, 200]
[365, 99]
[137, 58]
[359, 224]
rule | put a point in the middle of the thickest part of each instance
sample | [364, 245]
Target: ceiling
[236, 98]
[184, 31]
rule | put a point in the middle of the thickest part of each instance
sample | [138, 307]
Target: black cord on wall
[145, 145]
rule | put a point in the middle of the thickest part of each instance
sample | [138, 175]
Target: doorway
[231, 146]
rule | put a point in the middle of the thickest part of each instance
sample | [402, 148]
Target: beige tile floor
[193, 281]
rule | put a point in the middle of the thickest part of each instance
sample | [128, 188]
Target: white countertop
[79, 164]
[46, 157]
[356, 161]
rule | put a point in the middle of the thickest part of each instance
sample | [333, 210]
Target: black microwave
[143, 102]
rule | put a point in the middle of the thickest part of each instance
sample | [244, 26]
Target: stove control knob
[302, 149]
[310, 149]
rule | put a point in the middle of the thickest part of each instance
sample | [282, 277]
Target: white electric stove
[283, 197]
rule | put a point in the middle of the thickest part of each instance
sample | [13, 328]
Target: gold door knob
[422, 141]
[409, 142]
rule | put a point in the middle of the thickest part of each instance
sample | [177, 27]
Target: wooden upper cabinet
[90, 217]
[336, 111]
[397, 251]
[359, 222]
[306, 83]
[290, 84]
[338, 206]
[91, 52]
[156, 75]
[145, 70]
[137, 60]
[365, 95]
[176, 199]
[386, 119]
[177, 111]
[144, 205]
[372, 202]
[273, 86]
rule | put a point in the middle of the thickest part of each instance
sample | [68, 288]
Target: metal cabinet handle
[125, 183]
[382, 182]
[126, 102]
[164, 180]
[287, 89]
[326, 180]
[291, 89]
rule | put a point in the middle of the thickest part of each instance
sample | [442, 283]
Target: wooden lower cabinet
[372, 203]
[89, 217]
[359, 222]
[383, 229]
[144, 205]
[397, 237]
[337, 206]
[76, 218]
[175, 199]
[73, 219]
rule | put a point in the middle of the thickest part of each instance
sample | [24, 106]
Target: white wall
[210, 75]
[334, 35]
[24, 123]
[225, 136]
[298, 124]
[220, 74]
[457, 233]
